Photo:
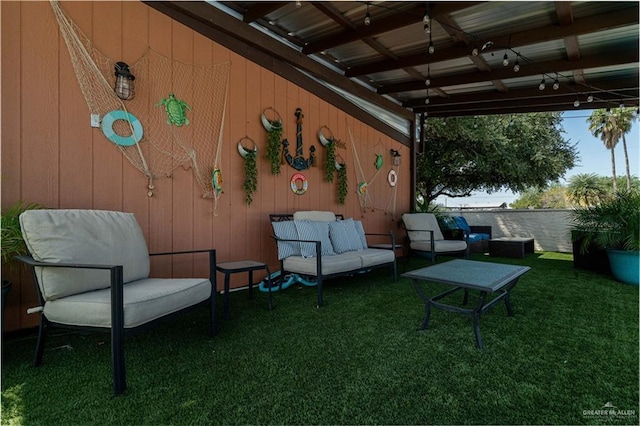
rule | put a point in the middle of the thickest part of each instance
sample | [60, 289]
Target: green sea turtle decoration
[176, 110]
[379, 161]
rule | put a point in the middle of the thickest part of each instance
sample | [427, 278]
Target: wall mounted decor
[176, 110]
[159, 150]
[299, 184]
[272, 122]
[299, 162]
[250, 156]
[124, 87]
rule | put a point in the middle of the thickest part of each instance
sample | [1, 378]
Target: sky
[593, 158]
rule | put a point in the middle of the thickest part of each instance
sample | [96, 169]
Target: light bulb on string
[474, 51]
[427, 29]
[427, 82]
[542, 85]
[516, 66]
[505, 60]
[576, 103]
[367, 17]
[590, 98]
[432, 48]
[426, 101]
[556, 84]
[298, 3]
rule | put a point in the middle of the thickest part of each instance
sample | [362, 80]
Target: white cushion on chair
[83, 237]
[418, 225]
[144, 300]
[441, 246]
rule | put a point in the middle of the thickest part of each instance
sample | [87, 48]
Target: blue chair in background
[454, 227]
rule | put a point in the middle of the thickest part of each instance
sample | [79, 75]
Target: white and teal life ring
[107, 128]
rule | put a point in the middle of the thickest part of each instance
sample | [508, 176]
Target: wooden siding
[51, 155]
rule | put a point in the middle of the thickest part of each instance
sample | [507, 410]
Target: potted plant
[12, 242]
[613, 225]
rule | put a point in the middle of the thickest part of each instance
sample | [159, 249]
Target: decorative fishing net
[163, 146]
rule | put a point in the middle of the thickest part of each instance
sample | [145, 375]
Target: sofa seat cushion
[441, 246]
[144, 300]
[344, 262]
[373, 257]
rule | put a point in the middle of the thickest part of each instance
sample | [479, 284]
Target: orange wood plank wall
[51, 155]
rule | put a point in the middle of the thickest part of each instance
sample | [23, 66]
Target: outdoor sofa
[322, 245]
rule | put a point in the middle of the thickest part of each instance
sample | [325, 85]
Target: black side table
[249, 266]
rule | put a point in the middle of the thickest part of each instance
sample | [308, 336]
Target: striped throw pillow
[313, 230]
[360, 229]
[344, 236]
[286, 230]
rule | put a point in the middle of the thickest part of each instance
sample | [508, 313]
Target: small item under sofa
[324, 245]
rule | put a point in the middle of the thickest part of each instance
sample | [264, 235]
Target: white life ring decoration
[107, 128]
[301, 188]
[392, 178]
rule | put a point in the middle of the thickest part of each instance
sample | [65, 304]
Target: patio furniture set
[92, 270]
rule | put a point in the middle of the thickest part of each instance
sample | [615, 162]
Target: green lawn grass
[571, 346]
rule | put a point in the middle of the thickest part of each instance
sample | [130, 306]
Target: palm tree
[586, 190]
[602, 125]
[623, 120]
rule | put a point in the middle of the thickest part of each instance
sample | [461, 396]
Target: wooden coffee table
[485, 277]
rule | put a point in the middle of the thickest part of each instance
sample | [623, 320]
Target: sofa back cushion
[286, 230]
[344, 236]
[94, 237]
[314, 230]
[315, 215]
[462, 223]
[418, 225]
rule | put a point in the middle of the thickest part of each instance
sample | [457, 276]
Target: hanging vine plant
[250, 184]
[273, 126]
[330, 161]
[343, 187]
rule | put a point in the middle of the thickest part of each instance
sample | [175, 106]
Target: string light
[427, 21]
[516, 66]
[576, 103]
[590, 98]
[556, 83]
[505, 59]
[474, 51]
[426, 101]
[427, 82]
[367, 17]
[542, 84]
[298, 3]
[432, 48]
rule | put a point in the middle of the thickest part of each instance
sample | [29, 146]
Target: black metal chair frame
[118, 331]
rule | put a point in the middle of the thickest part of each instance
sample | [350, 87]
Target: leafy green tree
[491, 153]
[586, 189]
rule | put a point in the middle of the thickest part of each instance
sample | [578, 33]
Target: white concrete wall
[550, 229]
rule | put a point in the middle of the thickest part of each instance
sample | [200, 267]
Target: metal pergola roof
[590, 49]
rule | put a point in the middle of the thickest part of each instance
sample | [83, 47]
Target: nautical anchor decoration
[299, 162]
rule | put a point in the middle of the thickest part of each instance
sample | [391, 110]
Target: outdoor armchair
[91, 270]
[425, 236]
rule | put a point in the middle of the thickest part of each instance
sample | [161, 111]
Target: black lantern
[124, 81]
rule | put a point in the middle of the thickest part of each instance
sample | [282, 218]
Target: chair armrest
[390, 234]
[32, 262]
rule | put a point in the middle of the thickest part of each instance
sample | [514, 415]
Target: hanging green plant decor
[330, 162]
[272, 123]
[250, 175]
[274, 147]
[342, 184]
